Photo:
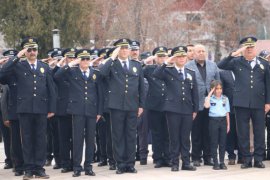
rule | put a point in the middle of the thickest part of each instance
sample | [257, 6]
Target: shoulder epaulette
[189, 69]
[262, 58]
[136, 60]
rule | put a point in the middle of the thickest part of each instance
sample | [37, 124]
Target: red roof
[186, 5]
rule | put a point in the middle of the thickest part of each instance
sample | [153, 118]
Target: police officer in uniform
[12, 119]
[35, 103]
[154, 105]
[64, 119]
[251, 98]
[126, 92]
[104, 130]
[85, 106]
[181, 105]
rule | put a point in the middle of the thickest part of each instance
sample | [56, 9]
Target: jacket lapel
[27, 66]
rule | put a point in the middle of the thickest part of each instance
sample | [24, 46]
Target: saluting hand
[170, 60]
[22, 52]
[150, 60]
[3, 60]
[239, 51]
[266, 108]
[75, 62]
[98, 118]
[50, 114]
[61, 62]
[211, 92]
[140, 111]
[115, 53]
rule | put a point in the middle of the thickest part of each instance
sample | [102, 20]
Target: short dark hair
[215, 83]
[190, 45]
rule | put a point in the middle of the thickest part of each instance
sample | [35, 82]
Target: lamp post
[56, 38]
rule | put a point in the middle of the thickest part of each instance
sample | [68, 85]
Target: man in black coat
[126, 93]
[85, 105]
[35, 103]
[251, 98]
[181, 105]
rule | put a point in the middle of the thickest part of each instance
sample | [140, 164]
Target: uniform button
[35, 82]
[251, 76]
[183, 93]
[85, 87]
[35, 95]
[34, 75]
[183, 88]
[251, 71]
[85, 93]
[126, 80]
[251, 87]
[251, 82]
[126, 91]
[162, 94]
[85, 82]
[183, 99]
[163, 84]
[85, 98]
[182, 82]
[126, 75]
[163, 89]
[35, 88]
[126, 85]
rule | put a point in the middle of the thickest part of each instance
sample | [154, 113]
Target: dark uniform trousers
[267, 123]
[126, 94]
[143, 131]
[180, 103]
[124, 127]
[243, 116]
[160, 136]
[6, 137]
[33, 127]
[179, 126]
[83, 128]
[106, 139]
[251, 93]
[53, 140]
[65, 140]
[218, 133]
[200, 136]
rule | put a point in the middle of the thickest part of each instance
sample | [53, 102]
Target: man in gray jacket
[206, 71]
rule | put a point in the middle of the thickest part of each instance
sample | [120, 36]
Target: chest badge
[261, 66]
[42, 70]
[189, 77]
[94, 76]
[134, 69]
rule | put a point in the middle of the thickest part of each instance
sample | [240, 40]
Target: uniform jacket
[182, 95]
[126, 90]
[227, 80]
[252, 86]
[35, 89]
[85, 96]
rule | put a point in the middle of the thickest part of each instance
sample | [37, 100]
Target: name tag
[213, 104]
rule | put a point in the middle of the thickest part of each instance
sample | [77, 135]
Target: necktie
[181, 75]
[84, 75]
[33, 67]
[125, 66]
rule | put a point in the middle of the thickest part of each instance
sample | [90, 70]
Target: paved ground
[148, 172]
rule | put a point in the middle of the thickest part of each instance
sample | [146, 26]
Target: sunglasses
[85, 59]
[31, 49]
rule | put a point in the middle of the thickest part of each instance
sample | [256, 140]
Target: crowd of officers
[113, 100]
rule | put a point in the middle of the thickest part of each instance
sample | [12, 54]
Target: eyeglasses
[31, 49]
[85, 59]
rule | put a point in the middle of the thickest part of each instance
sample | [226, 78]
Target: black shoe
[240, 161]
[7, 166]
[196, 163]
[188, 168]
[131, 170]
[48, 162]
[231, 162]
[175, 168]
[223, 166]
[143, 162]
[167, 164]
[56, 166]
[208, 163]
[66, 170]
[246, 165]
[76, 173]
[158, 164]
[18, 173]
[259, 164]
[41, 174]
[102, 163]
[89, 173]
[120, 171]
[216, 166]
[112, 167]
[28, 175]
